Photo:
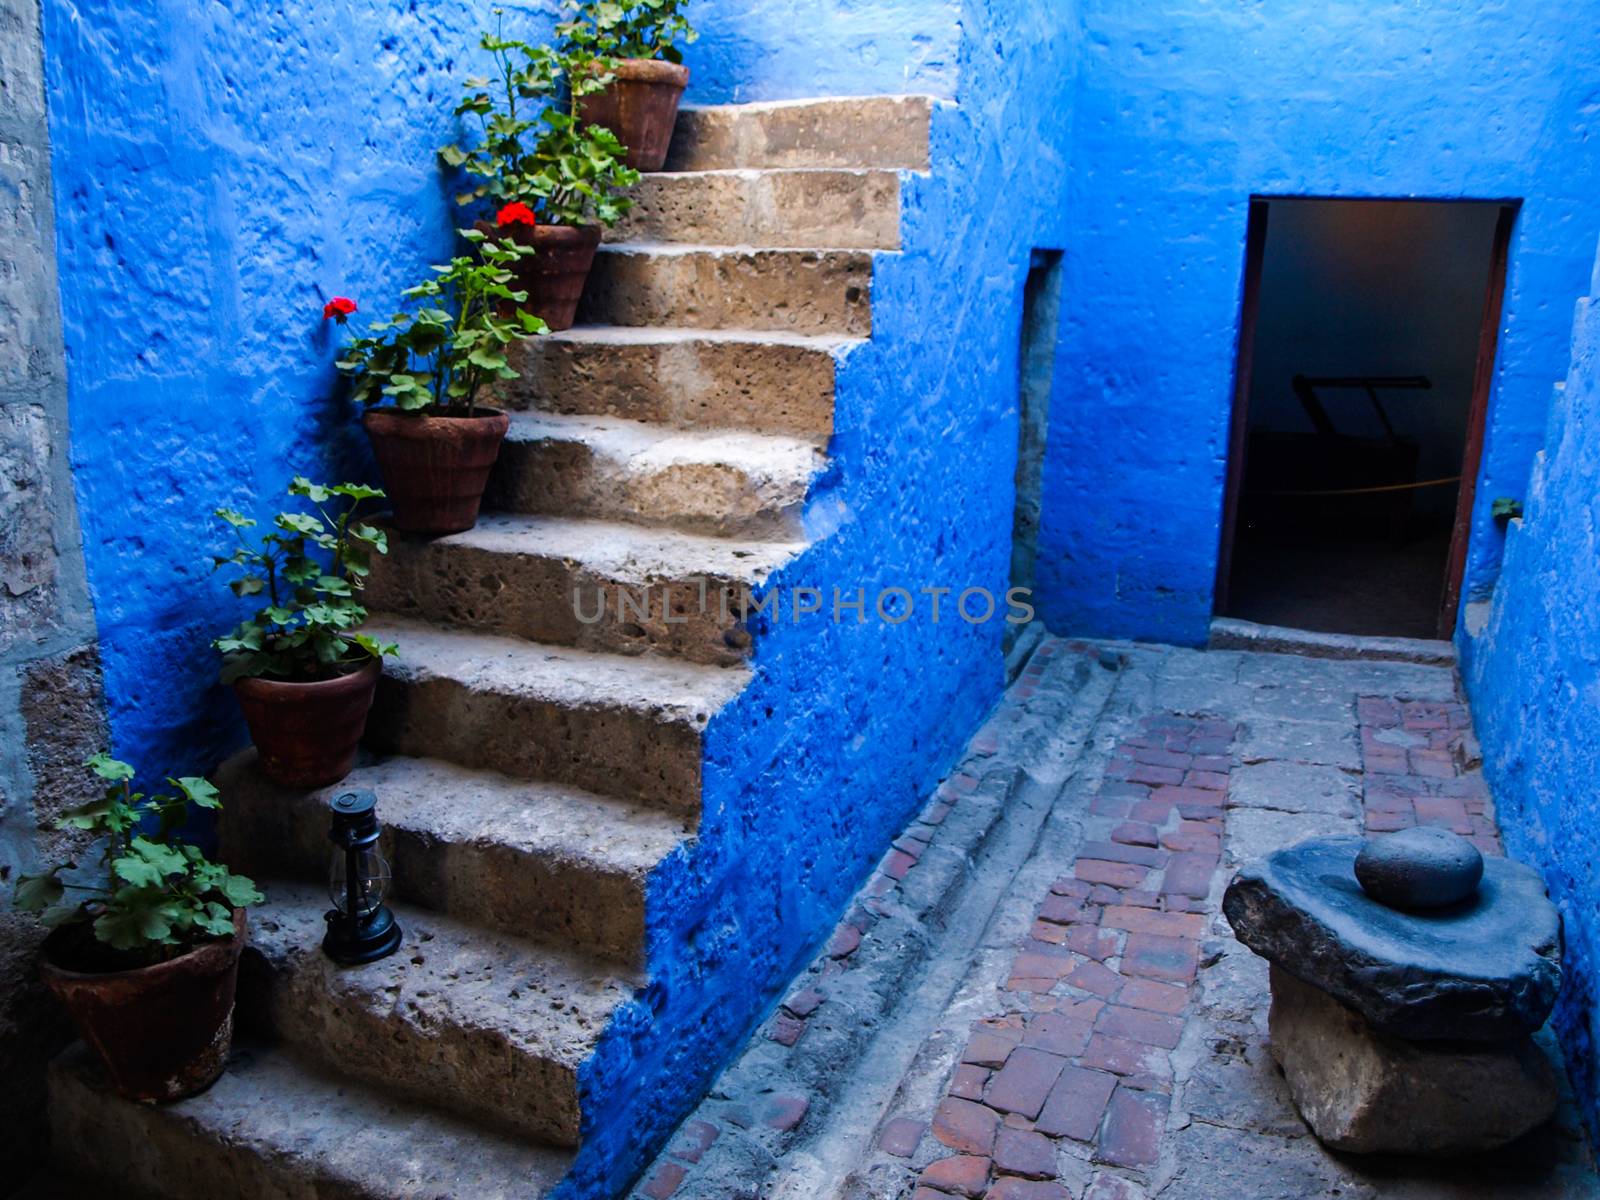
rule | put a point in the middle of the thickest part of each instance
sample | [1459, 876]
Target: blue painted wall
[1186, 107]
[790, 49]
[1531, 662]
[220, 172]
[290, 157]
[847, 727]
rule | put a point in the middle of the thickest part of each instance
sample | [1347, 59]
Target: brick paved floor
[1100, 1035]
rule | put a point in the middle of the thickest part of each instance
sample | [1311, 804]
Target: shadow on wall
[1531, 665]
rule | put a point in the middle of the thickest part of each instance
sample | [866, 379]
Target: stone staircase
[539, 776]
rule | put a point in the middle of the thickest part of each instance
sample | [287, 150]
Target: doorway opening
[1036, 358]
[1366, 353]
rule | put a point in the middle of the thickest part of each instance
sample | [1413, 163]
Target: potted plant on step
[553, 180]
[144, 952]
[434, 443]
[640, 42]
[302, 670]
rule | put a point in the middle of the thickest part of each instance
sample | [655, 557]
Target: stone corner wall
[1531, 668]
[51, 705]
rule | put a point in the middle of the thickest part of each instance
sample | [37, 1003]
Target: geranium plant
[154, 896]
[309, 568]
[434, 358]
[534, 148]
[642, 29]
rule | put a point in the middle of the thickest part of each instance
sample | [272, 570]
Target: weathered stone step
[597, 585]
[275, 1128]
[728, 483]
[537, 860]
[847, 131]
[730, 287]
[619, 726]
[839, 208]
[768, 381]
[490, 1027]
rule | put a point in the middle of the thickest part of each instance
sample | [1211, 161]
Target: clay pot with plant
[144, 948]
[434, 443]
[554, 181]
[638, 42]
[303, 672]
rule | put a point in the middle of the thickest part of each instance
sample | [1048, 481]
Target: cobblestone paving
[1415, 761]
[1101, 1035]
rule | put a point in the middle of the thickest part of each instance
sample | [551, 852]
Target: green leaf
[108, 768]
[373, 646]
[148, 863]
[315, 492]
[241, 892]
[299, 523]
[357, 491]
[62, 914]
[131, 928]
[199, 791]
[35, 893]
[377, 538]
[214, 919]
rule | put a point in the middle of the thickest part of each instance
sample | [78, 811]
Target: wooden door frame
[1255, 247]
[1477, 413]
[1477, 419]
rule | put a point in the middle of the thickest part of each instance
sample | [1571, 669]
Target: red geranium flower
[338, 308]
[515, 213]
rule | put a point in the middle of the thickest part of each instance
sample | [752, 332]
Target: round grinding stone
[1419, 868]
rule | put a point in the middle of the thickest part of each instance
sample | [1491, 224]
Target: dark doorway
[1365, 356]
[1036, 357]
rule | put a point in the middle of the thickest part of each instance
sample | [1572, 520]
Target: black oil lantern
[361, 929]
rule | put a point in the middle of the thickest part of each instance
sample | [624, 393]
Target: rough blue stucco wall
[220, 172]
[813, 769]
[1531, 663]
[1184, 108]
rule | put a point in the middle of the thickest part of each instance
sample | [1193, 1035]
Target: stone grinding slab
[1483, 970]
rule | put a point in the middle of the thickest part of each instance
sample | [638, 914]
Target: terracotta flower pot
[161, 1032]
[555, 275]
[435, 468]
[640, 106]
[306, 734]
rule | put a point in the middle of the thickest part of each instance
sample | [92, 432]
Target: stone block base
[1366, 1092]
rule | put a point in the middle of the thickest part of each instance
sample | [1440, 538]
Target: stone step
[606, 723]
[537, 860]
[276, 1128]
[727, 483]
[597, 585]
[846, 131]
[486, 1026]
[838, 208]
[722, 287]
[768, 381]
